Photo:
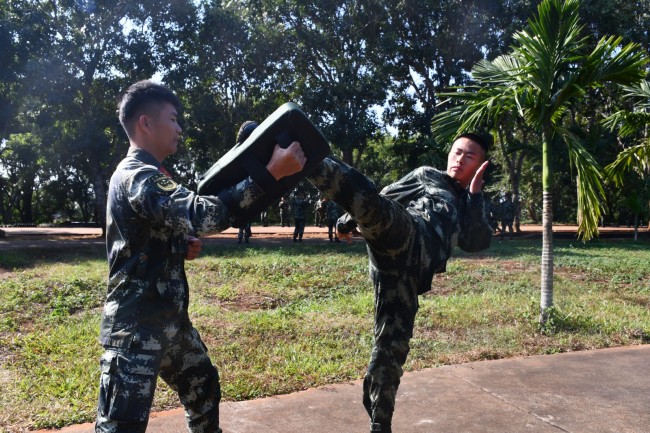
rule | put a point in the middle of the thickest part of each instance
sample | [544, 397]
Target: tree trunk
[27, 196]
[547, 228]
[547, 255]
[4, 214]
[99, 188]
[347, 156]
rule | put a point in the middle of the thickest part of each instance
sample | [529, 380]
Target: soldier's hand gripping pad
[287, 124]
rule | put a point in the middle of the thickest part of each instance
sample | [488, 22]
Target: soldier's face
[465, 157]
[165, 130]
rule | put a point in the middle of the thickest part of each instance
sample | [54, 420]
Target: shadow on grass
[68, 251]
[284, 248]
[65, 253]
[37, 256]
[562, 247]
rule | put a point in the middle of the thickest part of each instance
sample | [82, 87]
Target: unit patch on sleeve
[164, 183]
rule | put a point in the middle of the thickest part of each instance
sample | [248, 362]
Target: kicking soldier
[151, 226]
[410, 228]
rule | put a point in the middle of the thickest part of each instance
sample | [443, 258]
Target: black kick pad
[287, 124]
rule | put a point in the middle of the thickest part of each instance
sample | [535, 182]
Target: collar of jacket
[454, 183]
[143, 156]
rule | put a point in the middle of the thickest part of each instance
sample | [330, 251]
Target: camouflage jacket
[445, 214]
[299, 207]
[284, 207]
[333, 210]
[148, 218]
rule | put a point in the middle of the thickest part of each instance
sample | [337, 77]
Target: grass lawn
[282, 318]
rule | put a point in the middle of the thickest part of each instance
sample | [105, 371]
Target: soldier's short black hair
[142, 97]
[476, 138]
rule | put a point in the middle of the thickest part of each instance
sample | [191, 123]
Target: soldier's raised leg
[384, 223]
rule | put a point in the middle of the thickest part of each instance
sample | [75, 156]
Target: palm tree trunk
[547, 227]
[547, 255]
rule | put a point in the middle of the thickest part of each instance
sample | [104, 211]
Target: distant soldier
[410, 229]
[494, 214]
[333, 213]
[320, 212]
[285, 209]
[507, 215]
[244, 233]
[298, 208]
[245, 130]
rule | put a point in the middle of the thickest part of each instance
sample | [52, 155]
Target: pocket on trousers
[126, 387]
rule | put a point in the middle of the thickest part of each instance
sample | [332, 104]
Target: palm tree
[548, 70]
[635, 158]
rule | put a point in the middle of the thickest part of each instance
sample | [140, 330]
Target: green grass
[283, 318]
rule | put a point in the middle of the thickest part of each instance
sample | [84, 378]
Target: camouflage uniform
[494, 214]
[284, 213]
[244, 233]
[320, 212]
[333, 212]
[145, 329]
[410, 229]
[507, 216]
[298, 206]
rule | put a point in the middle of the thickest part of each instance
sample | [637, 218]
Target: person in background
[284, 206]
[507, 215]
[320, 212]
[244, 132]
[333, 212]
[299, 208]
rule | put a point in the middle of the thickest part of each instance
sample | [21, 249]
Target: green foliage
[548, 69]
[365, 71]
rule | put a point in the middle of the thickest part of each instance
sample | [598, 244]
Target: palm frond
[591, 194]
[503, 69]
[628, 123]
[641, 90]
[554, 38]
[474, 111]
[446, 124]
[633, 158]
[611, 62]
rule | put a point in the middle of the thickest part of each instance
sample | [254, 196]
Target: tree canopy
[371, 74]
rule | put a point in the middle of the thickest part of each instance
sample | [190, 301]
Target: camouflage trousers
[396, 254]
[299, 228]
[128, 381]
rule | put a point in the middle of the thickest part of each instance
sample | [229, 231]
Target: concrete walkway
[600, 391]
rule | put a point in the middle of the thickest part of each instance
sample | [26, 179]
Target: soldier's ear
[144, 123]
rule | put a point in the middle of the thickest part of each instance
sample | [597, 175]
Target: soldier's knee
[125, 392]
